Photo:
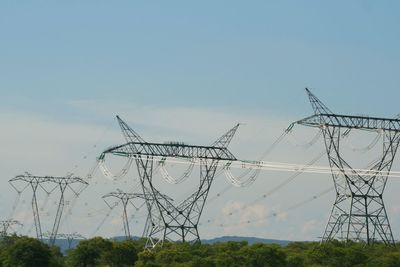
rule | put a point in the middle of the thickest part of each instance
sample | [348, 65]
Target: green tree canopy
[89, 252]
[30, 252]
[122, 254]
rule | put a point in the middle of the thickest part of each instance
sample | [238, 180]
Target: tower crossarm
[175, 150]
[68, 180]
[43, 179]
[31, 179]
[351, 122]
[124, 195]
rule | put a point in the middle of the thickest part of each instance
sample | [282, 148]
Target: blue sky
[230, 54]
[180, 68]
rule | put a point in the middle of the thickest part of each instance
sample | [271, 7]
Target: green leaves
[89, 252]
[29, 252]
[121, 254]
[24, 251]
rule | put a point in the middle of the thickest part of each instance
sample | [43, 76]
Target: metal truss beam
[175, 150]
[351, 122]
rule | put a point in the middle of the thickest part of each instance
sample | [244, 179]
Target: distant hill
[250, 240]
[122, 238]
[63, 244]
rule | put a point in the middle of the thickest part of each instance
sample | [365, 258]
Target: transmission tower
[48, 184]
[125, 198]
[69, 237]
[34, 182]
[6, 225]
[168, 220]
[358, 212]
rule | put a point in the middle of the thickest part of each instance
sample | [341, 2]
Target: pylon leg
[359, 212]
[175, 222]
[35, 210]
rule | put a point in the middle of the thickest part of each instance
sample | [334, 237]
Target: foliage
[89, 252]
[121, 254]
[24, 251]
[28, 252]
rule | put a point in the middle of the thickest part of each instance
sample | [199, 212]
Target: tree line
[21, 251]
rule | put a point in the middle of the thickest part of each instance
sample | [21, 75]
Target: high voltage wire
[287, 167]
[292, 207]
[276, 188]
[263, 156]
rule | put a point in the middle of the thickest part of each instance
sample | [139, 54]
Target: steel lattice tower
[69, 237]
[125, 198]
[168, 220]
[6, 225]
[48, 184]
[358, 212]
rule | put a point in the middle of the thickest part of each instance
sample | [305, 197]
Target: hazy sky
[179, 70]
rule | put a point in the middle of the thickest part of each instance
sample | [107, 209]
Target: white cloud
[238, 216]
[310, 226]
[282, 216]
[395, 210]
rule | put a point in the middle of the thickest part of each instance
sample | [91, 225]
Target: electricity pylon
[6, 225]
[125, 198]
[34, 182]
[168, 220]
[359, 212]
[48, 184]
[69, 237]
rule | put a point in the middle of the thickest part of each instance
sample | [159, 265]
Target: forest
[21, 251]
